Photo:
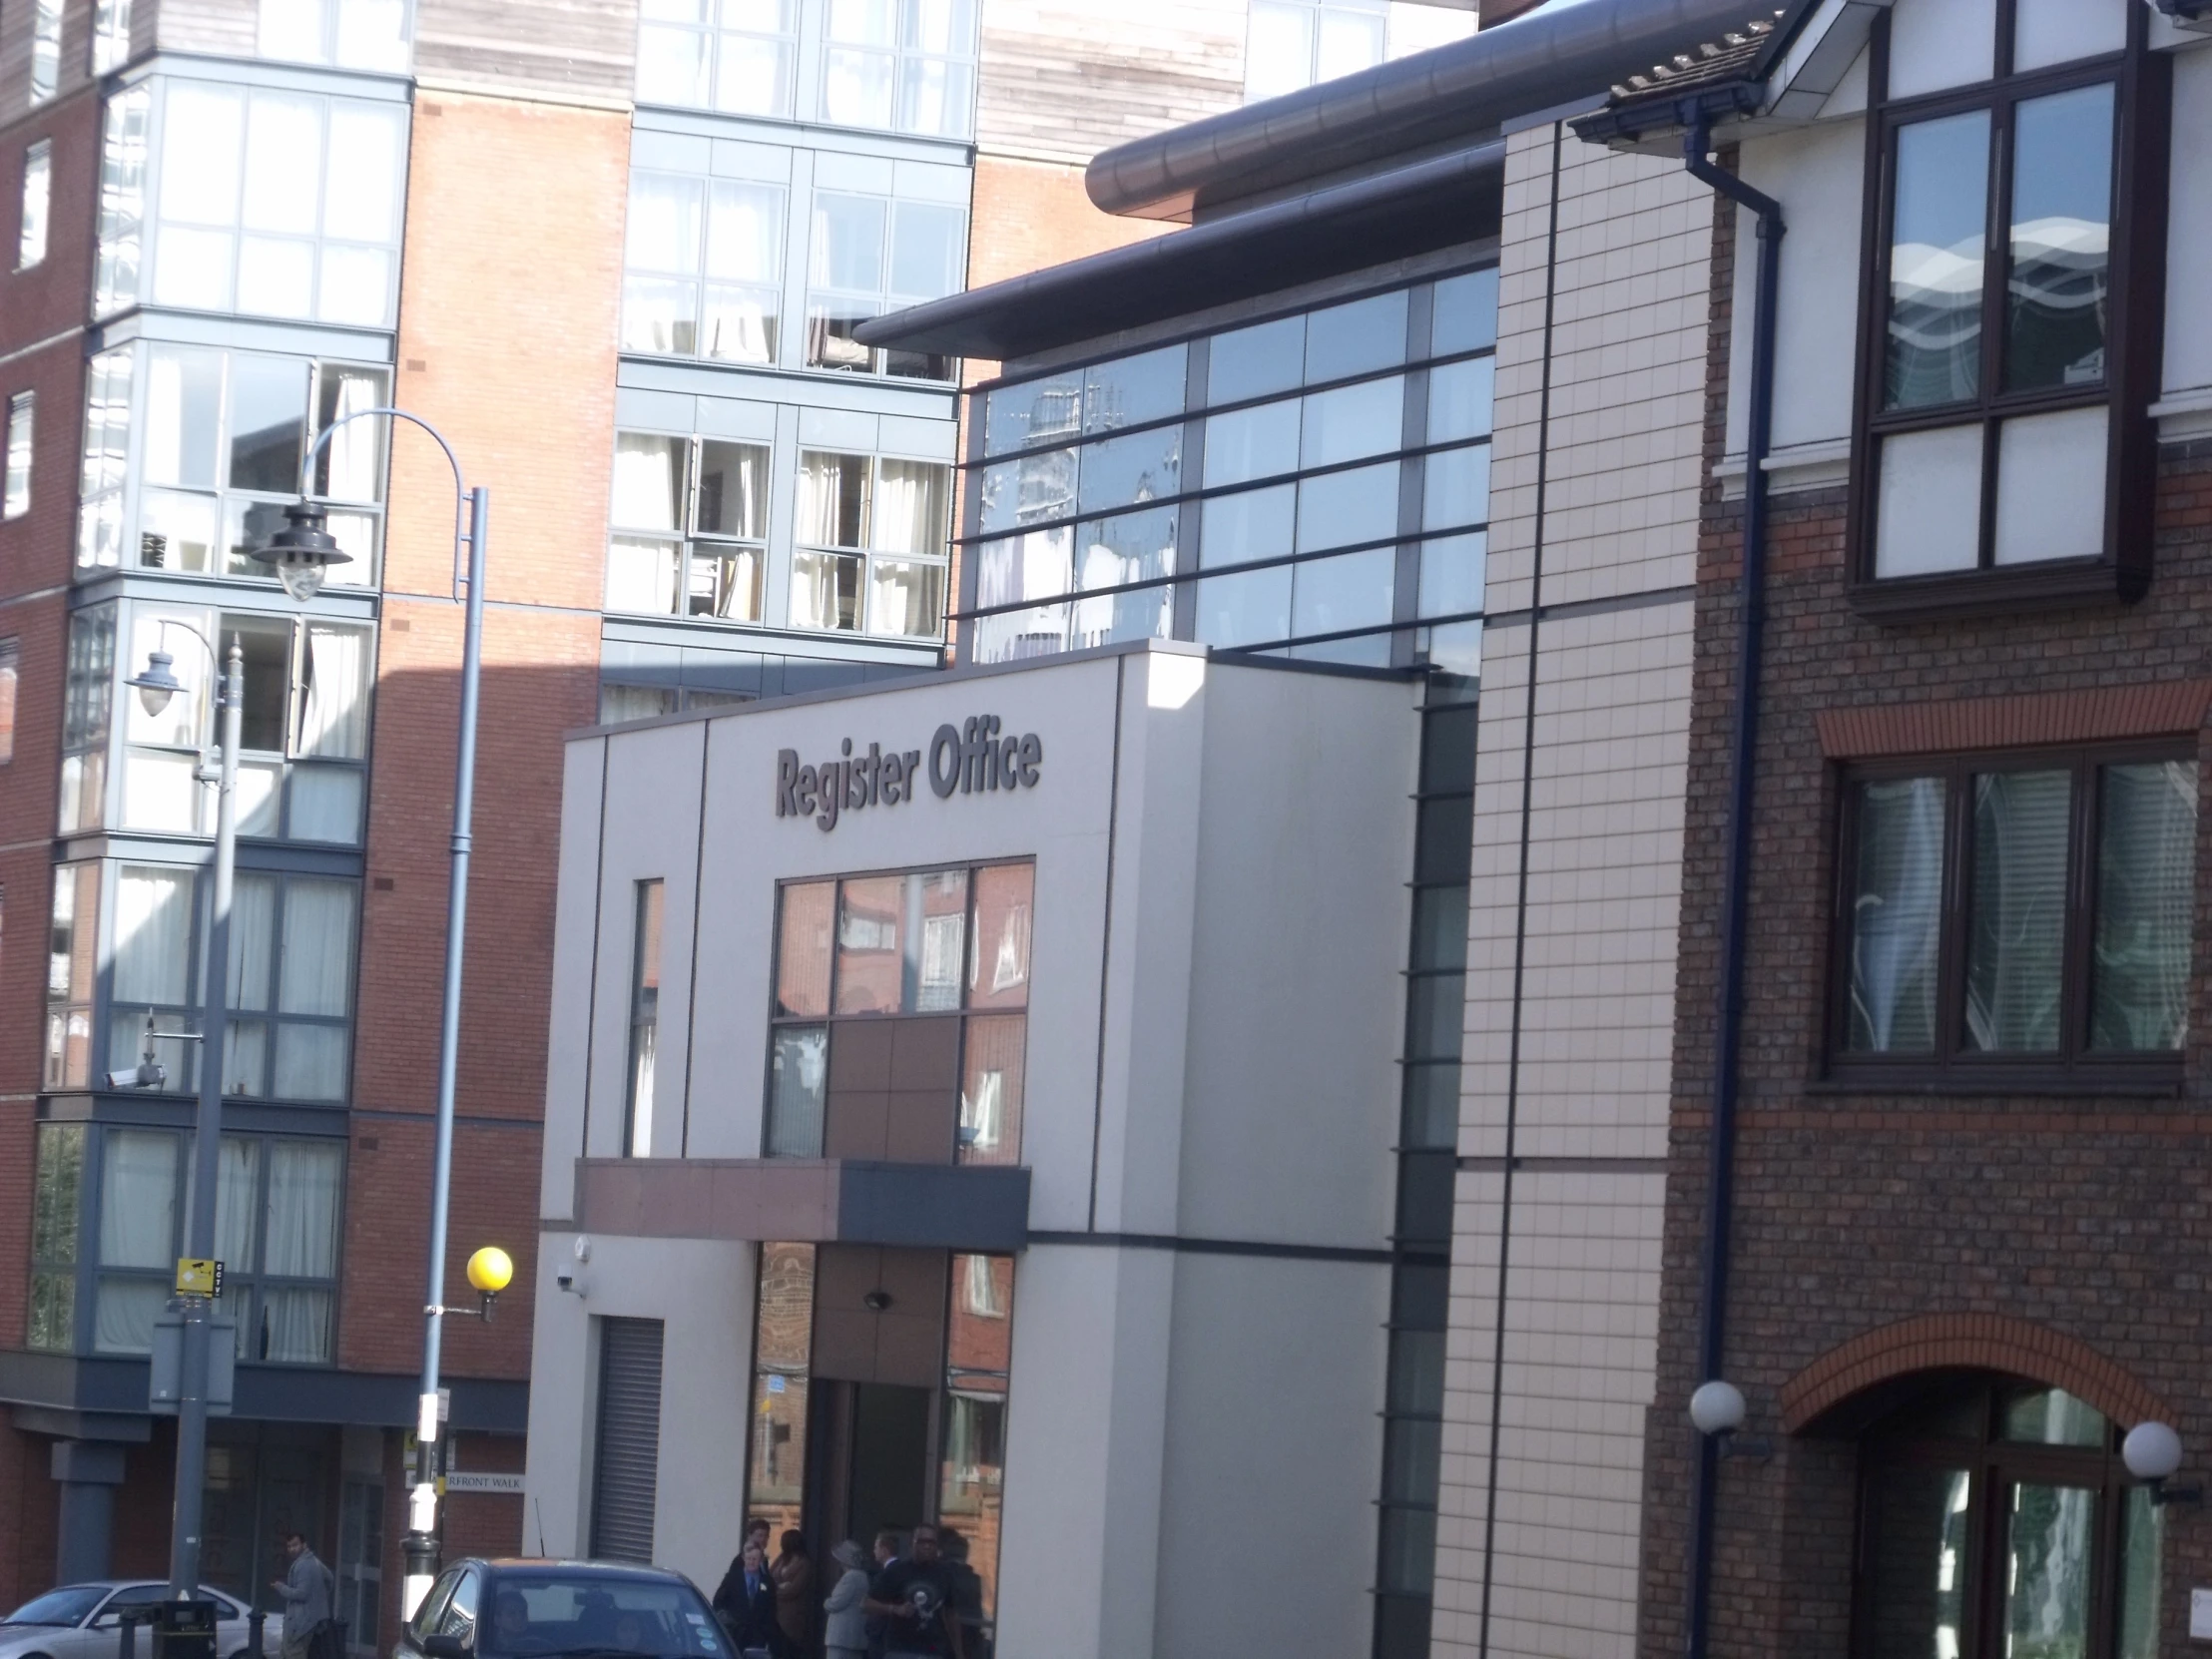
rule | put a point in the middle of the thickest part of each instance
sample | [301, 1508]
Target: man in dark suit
[747, 1602]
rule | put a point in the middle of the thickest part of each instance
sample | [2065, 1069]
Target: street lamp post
[300, 549]
[156, 685]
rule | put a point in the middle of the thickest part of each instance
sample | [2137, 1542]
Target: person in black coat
[747, 1602]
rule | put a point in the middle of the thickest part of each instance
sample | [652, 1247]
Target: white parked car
[82, 1621]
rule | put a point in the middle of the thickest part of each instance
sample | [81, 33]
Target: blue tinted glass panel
[1034, 566]
[1361, 650]
[1353, 422]
[1251, 362]
[1456, 491]
[1340, 508]
[1036, 411]
[1246, 609]
[1144, 467]
[1142, 615]
[1131, 547]
[1252, 524]
[1252, 443]
[1132, 390]
[1465, 313]
[1460, 399]
[1331, 596]
[1451, 574]
[1357, 338]
[1030, 490]
[1016, 634]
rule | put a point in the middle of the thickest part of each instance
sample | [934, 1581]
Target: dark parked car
[561, 1610]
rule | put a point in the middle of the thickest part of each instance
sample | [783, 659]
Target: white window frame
[46, 50]
[334, 45]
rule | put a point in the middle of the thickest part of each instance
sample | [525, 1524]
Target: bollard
[256, 1622]
[126, 1634]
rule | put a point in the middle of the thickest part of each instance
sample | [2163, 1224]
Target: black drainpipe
[1736, 900]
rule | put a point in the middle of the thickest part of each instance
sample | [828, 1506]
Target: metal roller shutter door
[629, 1449]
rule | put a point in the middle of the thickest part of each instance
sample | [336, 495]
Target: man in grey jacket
[306, 1589]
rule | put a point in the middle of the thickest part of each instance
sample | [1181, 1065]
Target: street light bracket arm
[460, 493]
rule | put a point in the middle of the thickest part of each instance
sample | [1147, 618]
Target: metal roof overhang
[1363, 222]
[1460, 92]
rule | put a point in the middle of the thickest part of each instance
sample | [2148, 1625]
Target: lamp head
[490, 1269]
[1717, 1407]
[157, 683]
[303, 551]
[2152, 1451]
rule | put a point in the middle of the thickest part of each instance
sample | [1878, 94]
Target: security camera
[566, 1280]
[147, 1075]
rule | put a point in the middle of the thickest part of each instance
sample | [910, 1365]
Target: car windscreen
[66, 1605]
[536, 1615]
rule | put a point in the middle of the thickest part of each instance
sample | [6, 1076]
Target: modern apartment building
[618, 256]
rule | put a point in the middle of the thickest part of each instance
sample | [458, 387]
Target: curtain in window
[2018, 926]
[302, 1235]
[833, 499]
[295, 1325]
[153, 935]
[236, 1218]
[910, 512]
[319, 948]
[1897, 913]
[349, 460]
[664, 223]
[649, 481]
[334, 719]
[253, 926]
[2146, 893]
[138, 1198]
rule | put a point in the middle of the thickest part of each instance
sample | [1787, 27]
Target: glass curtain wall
[1435, 999]
[1317, 485]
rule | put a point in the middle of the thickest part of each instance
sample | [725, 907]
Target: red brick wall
[2074, 1225]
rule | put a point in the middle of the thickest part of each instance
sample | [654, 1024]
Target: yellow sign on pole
[197, 1276]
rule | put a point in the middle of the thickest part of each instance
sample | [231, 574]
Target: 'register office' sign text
[975, 758]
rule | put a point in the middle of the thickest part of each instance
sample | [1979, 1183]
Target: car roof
[528, 1565]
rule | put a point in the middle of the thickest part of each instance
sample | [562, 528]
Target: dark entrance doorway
[871, 1452]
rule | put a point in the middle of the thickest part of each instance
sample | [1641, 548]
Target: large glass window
[352, 34]
[71, 958]
[690, 527]
[978, 1364]
[38, 201]
[1325, 476]
[901, 1016]
[2030, 914]
[703, 263]
[111, 34]
[1993, 368]
[1996, 1519]
[278, 1202]
[783, 1352]
[56, 1219]
[1290, 44]
[276, 204]
[290, 990]
[206, 458]
[304, 728]
[869, 254]
[87, 698]
[872, 551]
[736, 56]
[902, 64]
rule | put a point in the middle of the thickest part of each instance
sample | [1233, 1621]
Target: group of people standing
[921, 1600]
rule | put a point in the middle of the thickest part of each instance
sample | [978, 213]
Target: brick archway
[1970, 1342]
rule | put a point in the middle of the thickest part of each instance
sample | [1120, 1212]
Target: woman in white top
[846, 1633]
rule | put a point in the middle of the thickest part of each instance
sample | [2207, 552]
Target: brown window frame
[1951, 1066]
[2142, 82]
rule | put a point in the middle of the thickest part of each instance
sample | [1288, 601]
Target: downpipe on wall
[1736, 898]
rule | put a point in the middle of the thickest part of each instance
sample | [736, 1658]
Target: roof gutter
[1460, 92]
[1346, 227]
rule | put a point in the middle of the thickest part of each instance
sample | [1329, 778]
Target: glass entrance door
[1998, 1523]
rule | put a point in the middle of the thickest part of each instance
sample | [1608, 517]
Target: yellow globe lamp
[491, 1269]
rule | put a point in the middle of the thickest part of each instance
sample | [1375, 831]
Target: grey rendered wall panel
[1064, 79]
[582, 47]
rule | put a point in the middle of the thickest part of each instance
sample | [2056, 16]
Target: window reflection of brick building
[785, 1336]
[978, 1357]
